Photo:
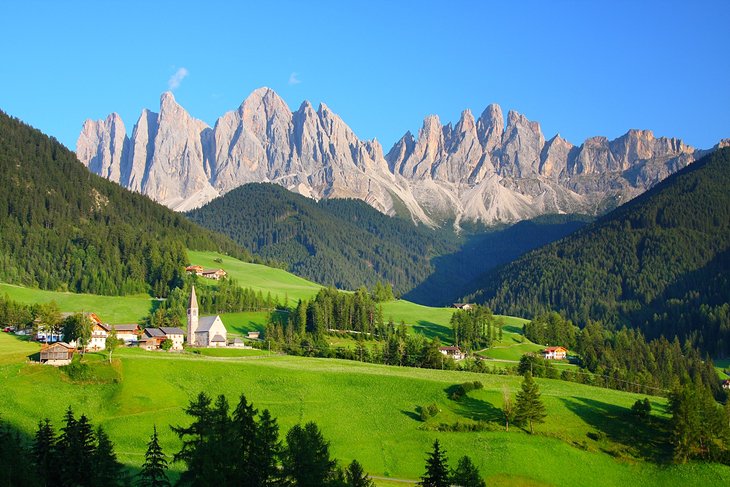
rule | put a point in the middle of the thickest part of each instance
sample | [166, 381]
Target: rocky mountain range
[478, 169]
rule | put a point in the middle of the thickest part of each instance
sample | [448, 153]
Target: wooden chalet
[59, 353]
[453, 352]
[128, 333]
[194, 269]
[463, 306]
[555, 353]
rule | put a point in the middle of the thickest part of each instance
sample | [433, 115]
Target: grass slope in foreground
[367, 411]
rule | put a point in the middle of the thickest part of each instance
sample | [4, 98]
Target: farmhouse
[453, 352]
[128, 333]
[99, 333]
[59, 353]
[253, 335]
[204, 331]
[555, 353]
[194, 269]
[153, 338]
[464, 306]
[213, 274]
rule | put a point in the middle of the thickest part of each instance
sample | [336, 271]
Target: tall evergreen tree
[467, 474]
[529, 407]
[153, 473]
[194, 441]
[355, 476]
[266, 451]
[43, 450]
[307, 459]
[244, 439]
[106, 471]
[437, 468]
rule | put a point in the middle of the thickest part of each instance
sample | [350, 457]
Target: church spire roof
[193, 300]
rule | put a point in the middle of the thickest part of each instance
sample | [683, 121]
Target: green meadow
[114, 309]
[368, 412]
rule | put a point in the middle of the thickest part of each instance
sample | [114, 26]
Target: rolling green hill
[368, 412]
[65, 229]
[660, 262]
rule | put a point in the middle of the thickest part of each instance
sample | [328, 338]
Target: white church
[204, 331]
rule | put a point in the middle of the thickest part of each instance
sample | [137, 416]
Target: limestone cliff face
[479, 169]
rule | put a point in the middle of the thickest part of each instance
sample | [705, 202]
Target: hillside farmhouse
[463, 306]
[453, 352]
[198, 270]
[59, 353]
[204, 331]
[555, 353]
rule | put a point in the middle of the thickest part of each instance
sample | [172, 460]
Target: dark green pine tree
[243, 428]
[107, 471]
[266, 451]
[467, 474]
[437, 469]
[355, 476]
[153, 473]
[43, 450]
[16, 467]
[529, 407]
[194, 441]
[307, 459]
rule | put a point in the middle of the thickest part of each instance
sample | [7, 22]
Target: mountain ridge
[481, 169]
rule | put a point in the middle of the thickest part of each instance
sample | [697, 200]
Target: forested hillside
[660, 262]
[344, 243]
[347, 244]
[63, 228]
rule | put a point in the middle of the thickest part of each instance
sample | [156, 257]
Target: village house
[128, 333]
[204, 331]
[462, 306]
[215, 274]
[194, 269]
[99, 334]
[453, 352]
[237, 343]
[59, 353]
[153, 338]
[253, 335]
[555, 353]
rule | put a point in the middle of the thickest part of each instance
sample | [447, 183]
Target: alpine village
[246, 293]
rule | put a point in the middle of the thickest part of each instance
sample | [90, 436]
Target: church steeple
[192, 317]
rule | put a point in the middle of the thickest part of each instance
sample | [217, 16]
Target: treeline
[342, 243]
[66, 229]
[623, 359]
[659, 263]
[78, 455]
[220, 447]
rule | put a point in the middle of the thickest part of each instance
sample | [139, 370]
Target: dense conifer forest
[64, 228]
[660, 262]
[347, 243]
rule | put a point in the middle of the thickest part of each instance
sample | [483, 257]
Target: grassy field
[368, 412]
[258, 277]
[113, 309]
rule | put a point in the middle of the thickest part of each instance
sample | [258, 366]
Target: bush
[429, 411]
[641, 409]
[166, 345]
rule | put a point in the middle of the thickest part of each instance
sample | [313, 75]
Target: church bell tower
[192, 317]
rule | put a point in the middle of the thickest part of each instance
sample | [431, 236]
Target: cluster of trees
[475, 328]
[620, 359]
[343, 243]
[67, 229]
[659, 263]
[700, 427]
[243, 448]
[78, 455]
[438, 473]
[39, 315]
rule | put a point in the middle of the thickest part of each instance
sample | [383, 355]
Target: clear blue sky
[579, 68]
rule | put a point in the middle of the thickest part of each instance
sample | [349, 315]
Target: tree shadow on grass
[412, 415]
[473, 408]
[432, 330]
[647, 439]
